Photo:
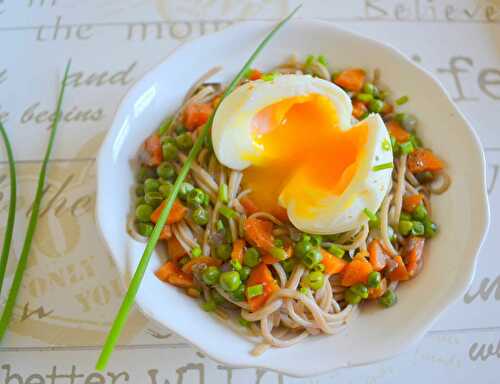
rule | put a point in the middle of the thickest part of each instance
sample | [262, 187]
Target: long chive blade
[129, 298]
[30, 231]
[11, 216]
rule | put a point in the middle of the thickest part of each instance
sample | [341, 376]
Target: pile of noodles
[289, 316]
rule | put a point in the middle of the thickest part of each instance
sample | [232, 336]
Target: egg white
[234, 147]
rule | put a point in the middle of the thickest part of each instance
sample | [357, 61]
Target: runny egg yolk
[303, 155]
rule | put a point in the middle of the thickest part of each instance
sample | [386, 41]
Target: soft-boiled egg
[292, 137]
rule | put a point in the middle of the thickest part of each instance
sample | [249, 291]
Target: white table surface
[71, 291]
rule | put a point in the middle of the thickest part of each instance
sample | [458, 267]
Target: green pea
[184, 190]
[200, 216]
[319, 267]
[166, 170]
[223, 252]
[139, 190]
[418, 228]
[316, 240]
[360, 290]
[210, 275]
[376, 105]
[196, 252]
[420, 213]
[305, 237]
[165, 190]
[405, 227]
[244, 272]
[153, 198]
[143, 212]
[195, 198]
[278, 253]
[374, 279]
[314, 280]
[140, 201]
[144, 229]
[180, 129]
[288, 264]
[217, 297]
[388, 299]
[251, 257]
[279, 243]
[151, 185]
[371, 89]
[145, 173]
[351, 298]
[209, 305]
[239, 293]
[364, 97]
[169, 151]
[230, 281]
[302, 247]
[430, 229]
[184, 141]
[311, 258]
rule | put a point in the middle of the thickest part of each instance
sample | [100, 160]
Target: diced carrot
[181, 280]
[280, 213]
[356, 271]
[351, 79]
[166, 270]
[387, 109]
[261, 275]
[399, 273]
[152, 145]
[413, 253]
[411, 202]
[358, 109]
[215, 101]
[166, 232]
[176, 214]
[207, 260]
[255, 74]
[378, 257]
[397, 131]
[249, 205]
[196, 114]
[423, 160]
[175, 250]
[237, 252]
[375, 293]
[259, 233]
[333, 264]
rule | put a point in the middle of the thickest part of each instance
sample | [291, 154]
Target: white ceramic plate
[375, 334]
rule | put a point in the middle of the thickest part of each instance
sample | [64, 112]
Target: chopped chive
[255, 290]
[223, 193]
[322, 60]
[129, 298]
[304, 290]
[269, 76]
[165, 125]
[196, 251]
[227, 212]
[386, 146]
[309, 61]
[33, 221]
[407, 147]
[383, 166]
[236, 265]
[335, 250]
[402, 100]
[371, 216]
[219, 226]
[11, 217]
[243, 322]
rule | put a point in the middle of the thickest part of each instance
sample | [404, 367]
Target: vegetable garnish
[381, 167]
[402, 100]
[129, 298]
[12, 206]
[30, 231]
